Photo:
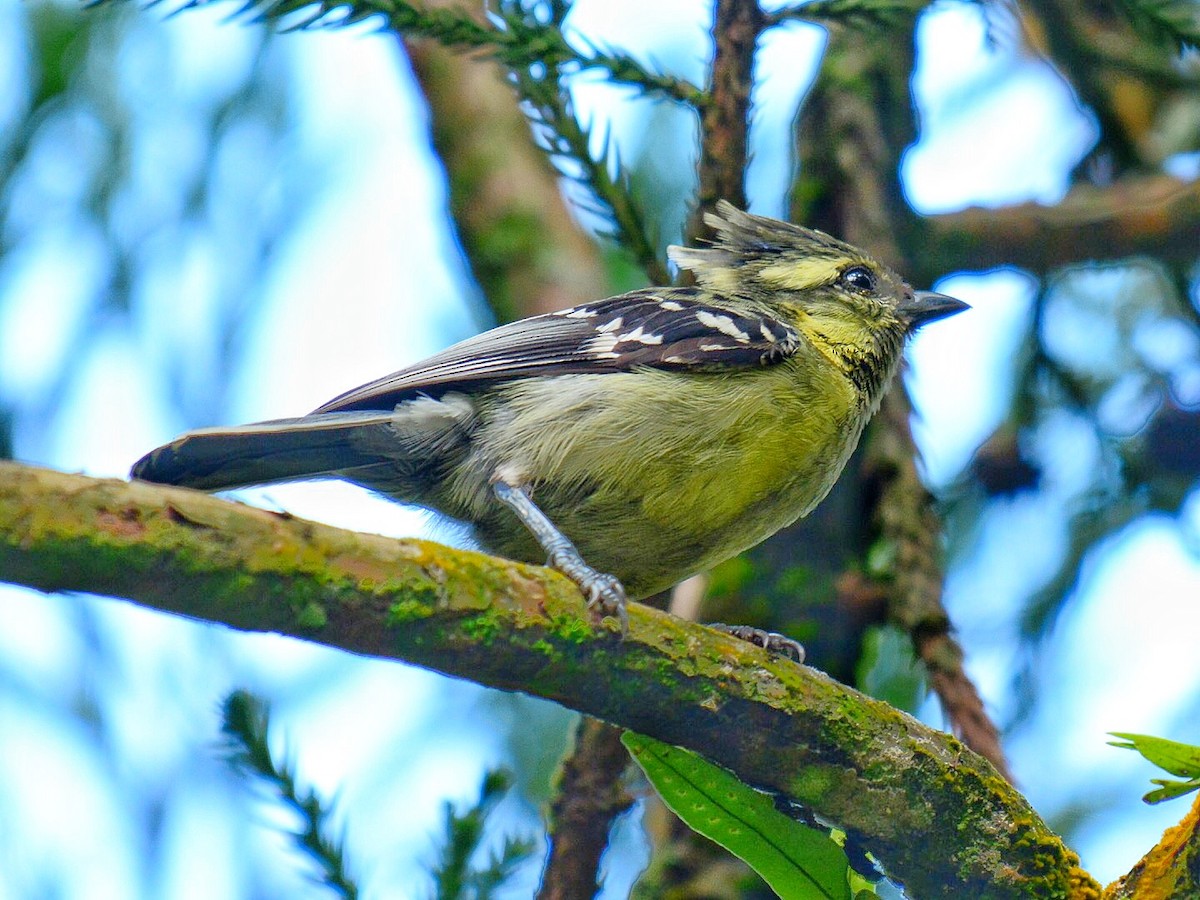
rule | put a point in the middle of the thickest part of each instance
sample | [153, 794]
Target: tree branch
[937, 815]
[1171, 869]
[907, 521]
[854, 127]
[517, 234]
[589, 797]
[725, 121]
[1155, 215]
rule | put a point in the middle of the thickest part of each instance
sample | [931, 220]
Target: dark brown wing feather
[664, 329]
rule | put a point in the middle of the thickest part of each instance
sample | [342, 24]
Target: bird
[629, 442]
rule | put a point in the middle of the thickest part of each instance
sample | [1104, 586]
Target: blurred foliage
[156, 180]
[158, 203]
[1102, 422]
[247, 726]
[456, 874]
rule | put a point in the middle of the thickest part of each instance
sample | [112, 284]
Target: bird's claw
[771, 641]
[606, 597]
[605, 594]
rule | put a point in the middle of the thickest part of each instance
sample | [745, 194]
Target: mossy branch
[1170, 869]
[937, 815]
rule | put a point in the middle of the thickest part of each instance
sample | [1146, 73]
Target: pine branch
[566, 139]
[538, 57]
[858, 13]
[516, 38]
[1171, 21]
[895, 785]
[527, 252]
[624, 68]
[446, 26]
[453, 876]
[246, 723]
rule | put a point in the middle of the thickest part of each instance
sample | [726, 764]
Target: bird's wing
[664, 329]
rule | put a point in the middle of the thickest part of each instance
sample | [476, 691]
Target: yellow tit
[653, 434]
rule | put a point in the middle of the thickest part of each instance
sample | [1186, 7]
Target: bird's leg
[771, 641]
[604, 592]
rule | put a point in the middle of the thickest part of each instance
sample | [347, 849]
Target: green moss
[418, 591]
[312, 616]
[811, 784]
[484, 627]
[573, 630]
[408, 610]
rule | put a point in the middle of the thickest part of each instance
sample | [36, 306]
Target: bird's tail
[281, 450]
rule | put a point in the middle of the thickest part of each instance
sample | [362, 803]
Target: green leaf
[1169, 789]
[1171, 756]
[1178, 759]
[798, 862]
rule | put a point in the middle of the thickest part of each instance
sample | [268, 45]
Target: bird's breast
[710, 463]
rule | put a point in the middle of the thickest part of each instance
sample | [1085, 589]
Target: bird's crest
[790, 256]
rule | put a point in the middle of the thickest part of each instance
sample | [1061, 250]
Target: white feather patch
[640, 336]
[723, 324]
[611, 326]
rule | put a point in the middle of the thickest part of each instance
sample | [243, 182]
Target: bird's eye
[860, 278]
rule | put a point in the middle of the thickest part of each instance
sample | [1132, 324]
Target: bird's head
[850, 305]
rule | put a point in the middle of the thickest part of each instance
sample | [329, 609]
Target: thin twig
[847, 12]
[908, 526]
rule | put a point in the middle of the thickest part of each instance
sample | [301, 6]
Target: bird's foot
[605, 594]
[770, 641]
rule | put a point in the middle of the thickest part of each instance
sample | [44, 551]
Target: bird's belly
[720, 476]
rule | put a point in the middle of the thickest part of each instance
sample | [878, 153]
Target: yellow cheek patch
[849, 331]
[800, 274]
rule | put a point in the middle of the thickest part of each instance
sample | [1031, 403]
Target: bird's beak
[926, 306]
